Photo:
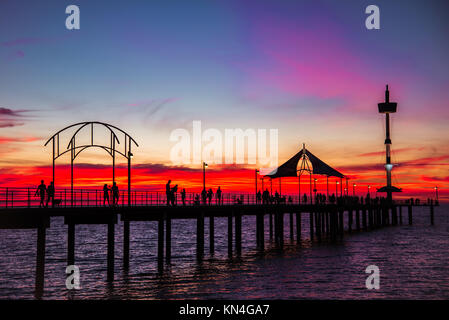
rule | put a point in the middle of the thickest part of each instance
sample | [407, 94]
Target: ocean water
[413, 262]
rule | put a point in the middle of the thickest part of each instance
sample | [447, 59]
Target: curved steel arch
[76, 150]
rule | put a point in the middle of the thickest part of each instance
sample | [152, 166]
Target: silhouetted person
[183, 196]
[41, 190]
[50, 194]
[168, 192]
[204, 196]
[265, 196]
[210, 194]
[258, 197]
[106, 194]
[115, 194]
[218, 195]
[173, 194]
[197, 200]
[304, 198]
[276, 197]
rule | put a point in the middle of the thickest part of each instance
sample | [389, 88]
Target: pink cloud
[312, 64]
[382, 153]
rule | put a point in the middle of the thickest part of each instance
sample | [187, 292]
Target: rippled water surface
[413, 262]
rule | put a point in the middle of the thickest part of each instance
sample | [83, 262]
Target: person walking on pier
[258, 197]
[168, 192]
[50, 195]
[210, 194]
[265, 196]
[115, 194]
[204, 196]
[41, 190]
[183, 196]
[173, 195]
[106, 194]
[218, 195]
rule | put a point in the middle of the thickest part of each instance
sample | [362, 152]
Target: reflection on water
[412, 261]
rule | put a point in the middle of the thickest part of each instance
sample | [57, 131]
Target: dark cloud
[10, 124]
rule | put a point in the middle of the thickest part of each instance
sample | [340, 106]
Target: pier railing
[27, 197]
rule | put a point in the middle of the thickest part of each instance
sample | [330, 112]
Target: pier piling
[410, 215]
[431, 214]
[40, 263]
[211, 235]
[126, 228]
[70, 244]
[230, 235]
[200, 236]
[364, 224]
[291, 227]
[168, 239]
[238, 234]
[311, 225]
[110, 263]
[298, 227]
[160, 244]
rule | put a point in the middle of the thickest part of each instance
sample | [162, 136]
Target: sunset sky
[307, 68]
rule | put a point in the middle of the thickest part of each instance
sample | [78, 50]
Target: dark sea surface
[413, 262]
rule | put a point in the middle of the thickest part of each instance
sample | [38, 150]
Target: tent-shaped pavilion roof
[289, 168]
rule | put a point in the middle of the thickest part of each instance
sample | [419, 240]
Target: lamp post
[255, 176]
[436, 193]
[130, 155]
[369, 187]
[204, 175]
[314, 187]
[336, 188]
[353, 189]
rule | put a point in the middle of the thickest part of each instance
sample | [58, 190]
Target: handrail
[13, 197]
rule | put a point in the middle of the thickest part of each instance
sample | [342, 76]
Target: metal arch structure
[75, 149]
[304, 167]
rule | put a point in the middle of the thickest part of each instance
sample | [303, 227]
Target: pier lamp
[353, 189]
[314, 187]
[336, 187]
[369, 187]
[386, 108]
[255, 177]
[436, 193]
[346, 191]
[204, 175]
[130, 155]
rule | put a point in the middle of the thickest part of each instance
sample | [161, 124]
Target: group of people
[171, 194]
[206, 196]
[115, 194]
[43, 190]
[267, 198]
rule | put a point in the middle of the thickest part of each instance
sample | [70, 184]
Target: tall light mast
[388, 107]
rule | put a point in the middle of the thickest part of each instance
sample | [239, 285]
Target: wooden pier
[326, 223]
